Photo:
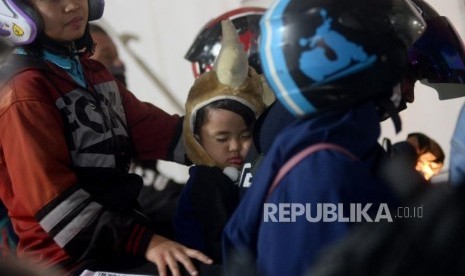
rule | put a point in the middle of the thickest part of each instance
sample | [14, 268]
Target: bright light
[427, 166]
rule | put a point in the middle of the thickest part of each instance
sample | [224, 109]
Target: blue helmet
[325, 54]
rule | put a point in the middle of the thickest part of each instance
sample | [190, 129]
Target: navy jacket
[327, 176]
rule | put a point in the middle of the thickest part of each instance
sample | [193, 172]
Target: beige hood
[231, 78]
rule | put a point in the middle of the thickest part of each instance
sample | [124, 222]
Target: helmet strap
[387, 107]
[84, 44]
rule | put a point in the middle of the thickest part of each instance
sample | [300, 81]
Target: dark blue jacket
[272, 121]
[206, 203]
[328, 176]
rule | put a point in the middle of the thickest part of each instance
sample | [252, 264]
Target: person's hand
[163, 252]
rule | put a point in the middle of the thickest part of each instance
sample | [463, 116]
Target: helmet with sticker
[326, 54]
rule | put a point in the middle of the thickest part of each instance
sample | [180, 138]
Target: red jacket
[64, 154]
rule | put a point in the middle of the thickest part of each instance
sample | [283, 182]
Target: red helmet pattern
[207, 44]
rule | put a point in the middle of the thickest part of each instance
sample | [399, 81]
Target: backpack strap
[294, 160]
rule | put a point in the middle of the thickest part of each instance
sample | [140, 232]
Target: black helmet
[207, 44]
[437, 58]
[324, 54]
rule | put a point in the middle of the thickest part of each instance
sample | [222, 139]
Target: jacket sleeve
[155, 133]
[188, 229]
[43, 181]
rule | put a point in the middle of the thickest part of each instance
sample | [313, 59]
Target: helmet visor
[438, 57]
[397, 16]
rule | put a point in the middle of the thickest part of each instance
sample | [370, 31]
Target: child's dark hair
[227, 104]
[426, 144]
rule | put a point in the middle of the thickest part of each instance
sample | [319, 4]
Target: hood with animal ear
[231, 78]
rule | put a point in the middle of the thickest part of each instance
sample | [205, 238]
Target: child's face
[64, 20]
[225, 137]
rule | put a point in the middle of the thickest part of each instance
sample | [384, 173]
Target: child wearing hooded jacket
[220, 111]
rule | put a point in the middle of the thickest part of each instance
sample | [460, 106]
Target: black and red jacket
[64, 156]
